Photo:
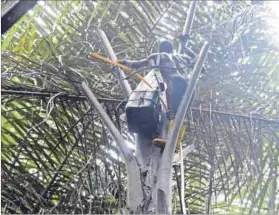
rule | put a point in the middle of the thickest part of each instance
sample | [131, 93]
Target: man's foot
[159, 142]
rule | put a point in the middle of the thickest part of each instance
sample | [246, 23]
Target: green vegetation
[57, 157]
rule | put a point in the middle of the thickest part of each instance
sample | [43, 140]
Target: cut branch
[124, 149]
[119, 73]
[188, 25]
[135, 194]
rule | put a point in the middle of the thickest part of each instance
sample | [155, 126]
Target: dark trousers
[176, 87]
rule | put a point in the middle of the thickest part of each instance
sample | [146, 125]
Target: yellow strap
[170, 125]
[125, 68]
[181, 132]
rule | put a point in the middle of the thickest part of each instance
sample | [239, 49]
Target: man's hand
[123, 62]
[192, 64]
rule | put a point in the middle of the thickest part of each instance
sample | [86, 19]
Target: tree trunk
[148, 157]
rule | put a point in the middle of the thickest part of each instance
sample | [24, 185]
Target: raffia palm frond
[57, 157]
[233, 169]
[53, 155]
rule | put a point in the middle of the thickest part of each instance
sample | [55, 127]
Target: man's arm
[189, 52]
[193, 55]
[182, 61]
[135, 64]
[187, 61]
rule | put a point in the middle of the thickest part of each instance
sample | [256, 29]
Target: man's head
[165, 46]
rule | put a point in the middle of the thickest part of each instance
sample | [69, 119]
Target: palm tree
[58, 156]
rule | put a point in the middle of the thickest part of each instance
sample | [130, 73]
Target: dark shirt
[168, 64]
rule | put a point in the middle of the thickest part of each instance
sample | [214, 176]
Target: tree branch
[119, 73]
[124, 149]
[165, 168]
[135, 194]
[185, 35]
[188, 25]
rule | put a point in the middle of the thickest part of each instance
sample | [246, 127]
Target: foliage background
[57, 157]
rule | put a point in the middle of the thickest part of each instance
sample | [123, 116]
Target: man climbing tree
[169, 65]
[149, 169]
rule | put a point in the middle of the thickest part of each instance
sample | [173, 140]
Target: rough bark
[148, 157]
